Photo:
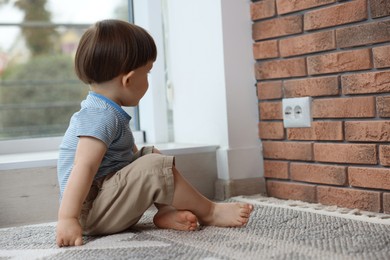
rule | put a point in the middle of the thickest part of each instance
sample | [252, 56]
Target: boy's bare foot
[228, 215]
[171, 218]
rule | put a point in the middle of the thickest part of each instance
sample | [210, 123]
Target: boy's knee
[152, 162]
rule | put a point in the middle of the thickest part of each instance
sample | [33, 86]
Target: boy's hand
[69, 232]
[155, 150]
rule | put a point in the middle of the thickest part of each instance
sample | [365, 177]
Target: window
[39, 90]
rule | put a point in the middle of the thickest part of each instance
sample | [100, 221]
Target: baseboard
[240, 162]
[225, 189]
[28, 196]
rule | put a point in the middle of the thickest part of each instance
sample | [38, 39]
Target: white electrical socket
[297, 112]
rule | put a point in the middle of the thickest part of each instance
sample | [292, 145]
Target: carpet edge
[354, 214]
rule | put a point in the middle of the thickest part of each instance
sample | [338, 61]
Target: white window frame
[30, 145]
[153, 106]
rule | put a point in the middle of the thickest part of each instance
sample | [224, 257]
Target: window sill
[49, 158]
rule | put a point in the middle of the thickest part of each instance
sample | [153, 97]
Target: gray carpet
[277, 230]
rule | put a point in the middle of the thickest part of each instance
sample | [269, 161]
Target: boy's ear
[127, 78]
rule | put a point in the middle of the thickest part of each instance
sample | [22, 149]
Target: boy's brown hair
[111, 48]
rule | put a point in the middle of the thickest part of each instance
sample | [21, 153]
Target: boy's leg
[169, 217]
[187, 201]
[124, 197]
[153, 179]
[186, 198]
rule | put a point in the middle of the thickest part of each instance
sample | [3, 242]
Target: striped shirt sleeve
[96, 123]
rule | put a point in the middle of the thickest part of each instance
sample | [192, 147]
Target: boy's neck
[108, 89]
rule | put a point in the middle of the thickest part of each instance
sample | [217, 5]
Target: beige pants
[119, 200]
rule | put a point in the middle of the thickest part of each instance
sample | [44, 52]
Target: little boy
[106, 183]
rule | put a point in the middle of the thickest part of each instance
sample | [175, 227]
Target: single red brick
[290, 6]
[345, 153]
[382, 55]
[291, 191]
[277, 27]
[319, 130]
[265, 50]
[269, 90]
[275, 169]
[367, 131]
[319, 86]
[317, 173]
[384, 155]
[271, 110]
[334, 15]
[363, 83]
[363, 34]
[262, 9]
[280, 68]
[379, 8]
[376, 178]
[271, 130]
[307, 43]
[300, 151]
[339, 62]
[349, 198]
[386, 203]
[383, 106]
[343, 107]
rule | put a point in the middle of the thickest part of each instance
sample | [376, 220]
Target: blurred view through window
[39, 90]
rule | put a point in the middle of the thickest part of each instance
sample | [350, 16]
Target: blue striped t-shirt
[101, 118]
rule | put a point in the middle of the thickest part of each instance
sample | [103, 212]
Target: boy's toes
[248, 207]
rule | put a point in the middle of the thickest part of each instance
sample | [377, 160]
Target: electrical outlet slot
[288, 111]
[297, 112]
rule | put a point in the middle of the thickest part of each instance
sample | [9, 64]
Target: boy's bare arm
[135, 148]
[89, 154]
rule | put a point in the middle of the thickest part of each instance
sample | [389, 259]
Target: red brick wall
[337, 52]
